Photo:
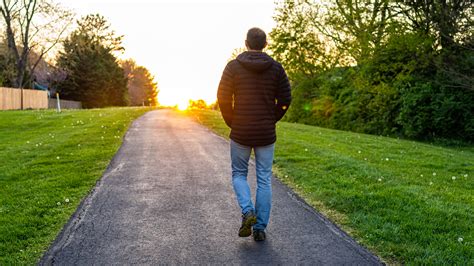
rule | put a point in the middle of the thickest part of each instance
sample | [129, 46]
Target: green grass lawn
[49, 162]
[407, 201]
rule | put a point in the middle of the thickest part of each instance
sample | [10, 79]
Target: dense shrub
[404, 89]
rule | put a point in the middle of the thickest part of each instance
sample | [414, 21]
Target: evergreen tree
[94, 76]
[142, 89]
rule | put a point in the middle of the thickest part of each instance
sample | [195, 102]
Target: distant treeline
[399, 68]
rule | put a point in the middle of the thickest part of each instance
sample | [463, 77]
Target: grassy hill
[49, 162]
[409, 202]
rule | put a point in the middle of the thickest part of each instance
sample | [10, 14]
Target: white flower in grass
[28, 141]
[453, 178]
[58, 203]
[386, 159]
[421, 175]
[37, 145]
[380, 179]
[57, 157]
[286, 176]
[465, 175]
[460, 239]
[102, 137]
[365, 159]
[431, 183]
[102, 126]
[66, 200]
[305, 149]
[79, 145]
[434, 173]
[359, 151]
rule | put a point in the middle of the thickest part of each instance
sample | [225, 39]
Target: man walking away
[253, 95]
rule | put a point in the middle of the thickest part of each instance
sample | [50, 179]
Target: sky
[184, 44]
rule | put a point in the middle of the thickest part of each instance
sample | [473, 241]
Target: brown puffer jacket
[254, 93]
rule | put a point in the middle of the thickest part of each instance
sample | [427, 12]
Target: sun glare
[183, 106]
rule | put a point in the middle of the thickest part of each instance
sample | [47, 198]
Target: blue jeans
[240, 156]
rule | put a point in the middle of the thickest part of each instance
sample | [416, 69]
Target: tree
[295, 42]
[94, 76]
[450, 22]
[7, 65]
[197, 104]
[31, 25]
[312, 36]
[142, 89]
[357, 27]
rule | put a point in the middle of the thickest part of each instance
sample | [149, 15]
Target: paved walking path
[167, 198]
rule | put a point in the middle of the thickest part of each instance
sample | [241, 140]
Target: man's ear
[265, 46]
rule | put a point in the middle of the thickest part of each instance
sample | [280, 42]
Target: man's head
[256, 39]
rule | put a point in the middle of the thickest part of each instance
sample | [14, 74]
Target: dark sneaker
[248, 220]
[259, 235]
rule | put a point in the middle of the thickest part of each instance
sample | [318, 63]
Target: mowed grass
[48, 162]
[409, 202]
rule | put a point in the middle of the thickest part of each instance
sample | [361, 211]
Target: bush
[406, 89]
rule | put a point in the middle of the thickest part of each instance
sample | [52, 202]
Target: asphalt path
[167, 198]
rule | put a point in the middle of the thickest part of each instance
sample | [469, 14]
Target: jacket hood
[255, 61]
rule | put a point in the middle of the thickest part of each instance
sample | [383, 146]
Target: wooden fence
[10, 99]
[65, 104]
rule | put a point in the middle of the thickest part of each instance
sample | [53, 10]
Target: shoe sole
[247, 229]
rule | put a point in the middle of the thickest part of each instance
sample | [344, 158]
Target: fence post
[21, 98]
[57, 100]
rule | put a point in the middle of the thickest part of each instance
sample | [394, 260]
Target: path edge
[67, 231]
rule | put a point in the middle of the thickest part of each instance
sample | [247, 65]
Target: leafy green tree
[357, 27]
[296, 44]
[94, 76]
[450, 22]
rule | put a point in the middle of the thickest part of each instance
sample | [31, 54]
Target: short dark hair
[256, 39]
